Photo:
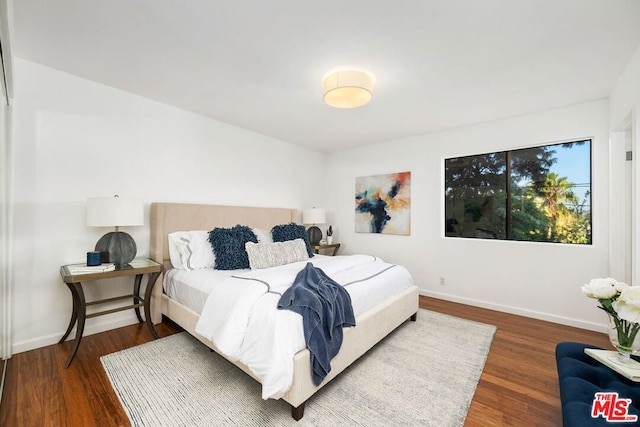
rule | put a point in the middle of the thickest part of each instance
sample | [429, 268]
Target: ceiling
[258, 65]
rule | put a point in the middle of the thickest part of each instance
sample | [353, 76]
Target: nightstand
[334, 246]
[137, 267]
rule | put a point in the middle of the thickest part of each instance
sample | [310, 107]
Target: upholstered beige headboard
[169, 217]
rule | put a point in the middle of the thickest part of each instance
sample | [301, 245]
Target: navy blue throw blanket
[325, 307]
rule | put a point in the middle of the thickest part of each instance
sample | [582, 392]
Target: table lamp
[314, 216]
[116, 246]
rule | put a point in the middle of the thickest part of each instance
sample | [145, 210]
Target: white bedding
[240, 316]
[191, 288]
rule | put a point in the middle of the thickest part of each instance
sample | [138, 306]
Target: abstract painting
[383, 204]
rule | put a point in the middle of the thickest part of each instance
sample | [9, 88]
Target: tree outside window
[538, 194]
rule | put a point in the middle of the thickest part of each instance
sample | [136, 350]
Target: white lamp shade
[314, 216]
[347, 88]
[114, 212]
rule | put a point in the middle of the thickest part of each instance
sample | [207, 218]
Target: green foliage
[528, 221]
[544, 206]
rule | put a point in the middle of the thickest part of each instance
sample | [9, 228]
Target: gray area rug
[424, 373]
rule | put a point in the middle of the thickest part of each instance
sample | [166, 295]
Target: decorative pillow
[191, 250]
[291, 231]
[175, 248]
[265, 255]
[228, 246]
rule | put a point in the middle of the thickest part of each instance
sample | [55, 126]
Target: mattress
[191, 288]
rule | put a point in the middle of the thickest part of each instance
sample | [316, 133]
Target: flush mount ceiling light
[347, 88]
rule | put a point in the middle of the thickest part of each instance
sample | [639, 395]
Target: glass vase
[624, 337]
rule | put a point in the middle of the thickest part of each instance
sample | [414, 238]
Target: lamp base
[119, 245]
[315, 235]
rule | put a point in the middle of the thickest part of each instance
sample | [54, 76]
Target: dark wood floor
[518, 386]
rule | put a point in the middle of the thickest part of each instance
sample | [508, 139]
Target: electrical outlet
[442, 282]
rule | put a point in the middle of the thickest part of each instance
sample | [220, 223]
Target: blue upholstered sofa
[580, 377]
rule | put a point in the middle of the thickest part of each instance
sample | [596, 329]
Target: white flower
[620, 286]
[601, 288]
[628, 304]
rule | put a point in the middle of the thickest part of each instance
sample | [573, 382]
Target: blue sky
[575, 164]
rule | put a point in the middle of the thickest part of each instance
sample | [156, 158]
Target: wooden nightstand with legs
[325, 248]
[73, 279]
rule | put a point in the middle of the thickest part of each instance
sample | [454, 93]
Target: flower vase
[329, 240]
[624, 337]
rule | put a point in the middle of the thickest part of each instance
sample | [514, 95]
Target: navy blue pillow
[291, 231]
[228, 246]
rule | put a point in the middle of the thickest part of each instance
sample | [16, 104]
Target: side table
[138, 268]
[334, 246]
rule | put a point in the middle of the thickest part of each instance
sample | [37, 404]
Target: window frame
[508, 220]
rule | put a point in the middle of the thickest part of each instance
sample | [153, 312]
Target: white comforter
[241, 317]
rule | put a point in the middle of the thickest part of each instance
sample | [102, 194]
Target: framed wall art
[383, 204]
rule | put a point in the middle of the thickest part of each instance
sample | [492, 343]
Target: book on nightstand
[609, 358]
[86, 269]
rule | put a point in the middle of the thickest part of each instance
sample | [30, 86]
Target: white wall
[76, 139]
[6, 93]
[625, 96]
[5, 247]
[533, 279]
[624, 120]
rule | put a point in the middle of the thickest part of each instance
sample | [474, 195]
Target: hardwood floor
[519, 383]
[518, 386]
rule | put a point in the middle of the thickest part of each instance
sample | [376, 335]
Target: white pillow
[264, 236]
[174, 250]
[191, 250]
[265, 255]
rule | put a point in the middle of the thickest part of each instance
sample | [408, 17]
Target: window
[538, 194]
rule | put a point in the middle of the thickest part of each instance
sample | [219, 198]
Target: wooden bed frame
[372, 326]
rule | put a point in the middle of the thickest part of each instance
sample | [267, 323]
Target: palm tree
[555, 194]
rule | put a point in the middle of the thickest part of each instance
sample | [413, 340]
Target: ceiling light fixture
[347, 88]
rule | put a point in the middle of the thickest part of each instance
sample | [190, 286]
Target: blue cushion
[228, 246]
[580, 376]
[291, 231]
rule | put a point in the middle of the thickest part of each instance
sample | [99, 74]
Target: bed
[372, 325]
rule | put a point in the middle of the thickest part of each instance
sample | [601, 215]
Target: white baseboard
[21, 346]
[519, 311]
